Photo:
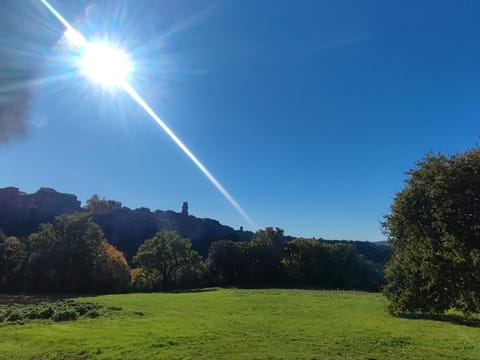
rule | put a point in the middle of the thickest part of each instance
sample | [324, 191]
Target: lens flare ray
[132, 92]
[78, 40]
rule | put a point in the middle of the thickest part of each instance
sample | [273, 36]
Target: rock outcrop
[21, 213]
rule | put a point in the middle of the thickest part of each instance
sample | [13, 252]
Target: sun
[106, 64]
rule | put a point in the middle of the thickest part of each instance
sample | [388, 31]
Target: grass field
[241, 324]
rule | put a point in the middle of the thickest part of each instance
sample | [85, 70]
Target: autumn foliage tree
[113, 271]
[434, 229]
[97, 205]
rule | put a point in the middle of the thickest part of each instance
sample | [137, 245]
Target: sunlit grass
[242, 324]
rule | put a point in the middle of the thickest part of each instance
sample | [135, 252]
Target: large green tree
[169, 261]
[253, 263]
[229, 263]
[265, 254]
[304, 261]
[434, 229]
[72, 255]
[15, 255]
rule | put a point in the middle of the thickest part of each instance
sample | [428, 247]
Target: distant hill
[21, 213]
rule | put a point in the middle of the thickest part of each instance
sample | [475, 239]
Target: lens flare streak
[131, 91]
[77, 39]
[73, 35]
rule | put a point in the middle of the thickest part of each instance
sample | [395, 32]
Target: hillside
[21, 213]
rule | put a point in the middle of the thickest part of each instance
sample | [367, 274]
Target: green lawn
[242, 324]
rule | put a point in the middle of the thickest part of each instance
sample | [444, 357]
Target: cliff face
[127, 229]
[20, 215]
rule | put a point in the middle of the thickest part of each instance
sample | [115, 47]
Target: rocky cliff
[21, 213]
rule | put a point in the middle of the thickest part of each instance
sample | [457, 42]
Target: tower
[185, 208]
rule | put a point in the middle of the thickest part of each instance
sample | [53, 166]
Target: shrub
[83, 308]
[63, 310]
[45, 313]
[92, 314]
[64, 315]
[14, 317]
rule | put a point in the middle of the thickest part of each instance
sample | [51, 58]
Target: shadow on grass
[182, 291]
[21, 299]
[177, 291]
[451, 318]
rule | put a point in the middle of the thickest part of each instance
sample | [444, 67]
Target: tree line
[72, 256]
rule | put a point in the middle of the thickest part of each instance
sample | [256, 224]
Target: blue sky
[308, 112]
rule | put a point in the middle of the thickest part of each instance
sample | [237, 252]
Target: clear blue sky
[308, 112]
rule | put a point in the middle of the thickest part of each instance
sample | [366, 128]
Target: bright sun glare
[105, 64]
[110, 66]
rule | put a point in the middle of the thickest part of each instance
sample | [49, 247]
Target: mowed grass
[242, 324]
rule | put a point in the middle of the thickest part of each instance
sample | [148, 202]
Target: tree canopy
[69, 256]
[269, 260]
[14, 255]
[169, 261]
[96, 205]
[434, 229]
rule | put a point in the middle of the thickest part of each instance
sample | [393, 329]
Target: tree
[14, 256]
[140, 281]
[308, 262]
[434, 229]
[349, 270]
[304, 261]
[269, 237]
[112, 270]
[72, 255]
[95, 205]
[265, 254]
[69, 249]
[228, 263]
[170, 260]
